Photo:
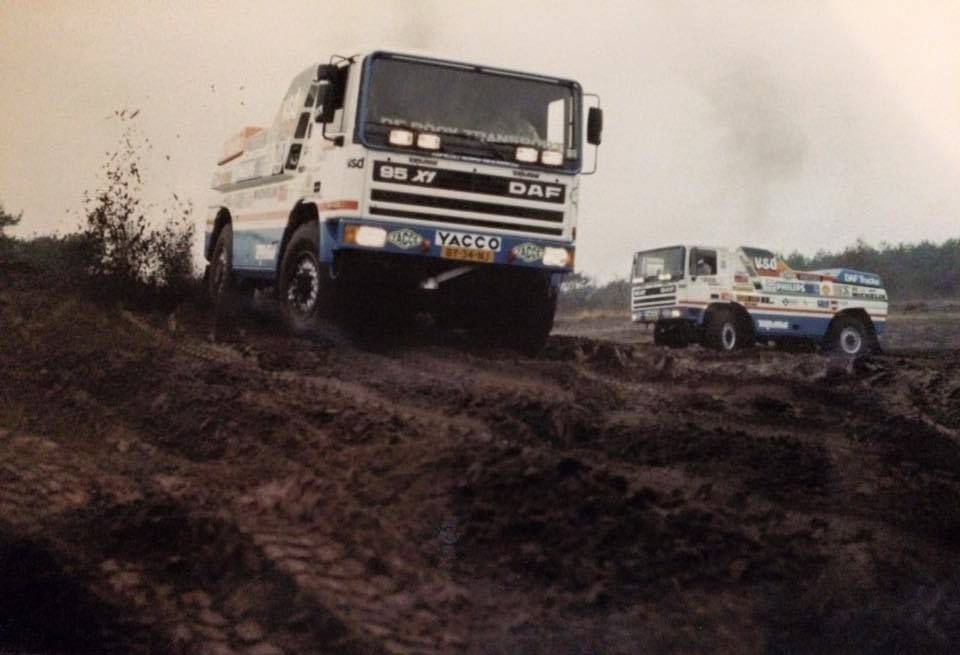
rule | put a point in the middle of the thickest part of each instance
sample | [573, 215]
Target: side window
[703, 262]
[311, 97]
[302, 126]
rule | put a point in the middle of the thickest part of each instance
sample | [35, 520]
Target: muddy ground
[171, 485]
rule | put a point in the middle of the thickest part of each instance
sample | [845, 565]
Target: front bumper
[673, 313]
[453, 245]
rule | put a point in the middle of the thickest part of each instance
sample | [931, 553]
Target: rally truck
[729, 298]
[394, 184]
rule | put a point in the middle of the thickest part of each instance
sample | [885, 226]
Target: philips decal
[466, 240]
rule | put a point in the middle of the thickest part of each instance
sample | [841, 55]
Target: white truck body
[432, 168]
[679, 288]
[448, 196]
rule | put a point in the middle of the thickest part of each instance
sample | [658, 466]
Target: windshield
[658, 265]
[475, 112]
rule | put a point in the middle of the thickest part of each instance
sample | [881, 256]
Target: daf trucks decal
[451, 180]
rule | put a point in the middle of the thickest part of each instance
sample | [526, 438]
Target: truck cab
[730, 298]
[417, 183]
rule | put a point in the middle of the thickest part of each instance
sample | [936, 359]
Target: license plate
[651, 315]
[467, 254]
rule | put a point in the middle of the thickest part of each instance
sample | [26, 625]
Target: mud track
[264, 494]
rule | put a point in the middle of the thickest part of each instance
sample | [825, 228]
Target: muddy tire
[849, 336]
[304, 285]
[724, 331]
[220, 281]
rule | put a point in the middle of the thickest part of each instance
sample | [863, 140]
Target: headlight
[365, 235]
[557, 257]
[527, 154]
[551, 157]
[428, 141]
[401, 138]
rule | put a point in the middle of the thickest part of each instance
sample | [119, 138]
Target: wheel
[304, 281]
[724, 332]
[221, 286]
[849, 336]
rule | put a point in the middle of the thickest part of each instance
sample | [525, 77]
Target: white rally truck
[391, 184]
[729, 298]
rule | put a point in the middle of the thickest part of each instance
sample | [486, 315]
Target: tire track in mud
[434, 497]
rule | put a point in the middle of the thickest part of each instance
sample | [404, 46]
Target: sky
[795, 126]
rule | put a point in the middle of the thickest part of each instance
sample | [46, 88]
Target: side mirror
[594, 126]
[328, 105]
[326, 73]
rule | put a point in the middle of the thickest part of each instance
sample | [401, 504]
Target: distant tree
[909, 271]
[8, 220]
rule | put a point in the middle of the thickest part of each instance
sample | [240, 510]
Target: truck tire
[221, 285]
[304, 285]
[724, 332]
[849, 336]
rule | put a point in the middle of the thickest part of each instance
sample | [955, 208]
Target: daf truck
[393, 184]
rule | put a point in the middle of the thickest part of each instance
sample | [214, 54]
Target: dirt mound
[178, 482]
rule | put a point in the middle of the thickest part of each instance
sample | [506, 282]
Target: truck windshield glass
[659, 265]
[475, 112]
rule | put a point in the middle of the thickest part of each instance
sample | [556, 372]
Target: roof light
[551, 157]
[401, 138]
[428, 141]
[527, 154]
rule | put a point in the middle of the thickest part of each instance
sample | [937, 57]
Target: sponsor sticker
[766, 324]
[528, 252]
[488, 242]
[265, 251]
[404, 239]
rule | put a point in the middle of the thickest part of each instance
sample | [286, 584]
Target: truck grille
[431, 194]
[651, 299]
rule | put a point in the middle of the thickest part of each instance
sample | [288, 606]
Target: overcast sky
[790, 125]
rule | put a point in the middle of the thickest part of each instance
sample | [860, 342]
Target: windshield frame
[570, 166]
[637, 279]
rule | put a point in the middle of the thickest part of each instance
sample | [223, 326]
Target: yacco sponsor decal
[452, 180]
[768, 324]
[467, 240]
[527, 252]
[404, 239]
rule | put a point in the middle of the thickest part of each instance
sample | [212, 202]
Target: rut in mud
[268, 494]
